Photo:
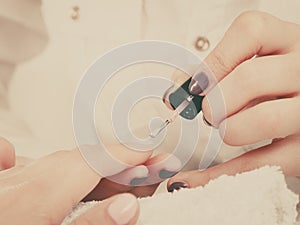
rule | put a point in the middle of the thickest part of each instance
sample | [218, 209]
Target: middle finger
[263, 77]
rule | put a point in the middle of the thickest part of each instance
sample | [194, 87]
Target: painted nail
[165, 174]
[206, 121]
[132, 176]
[198, 83]
[137, 181]
[123, 209]
[177, 186]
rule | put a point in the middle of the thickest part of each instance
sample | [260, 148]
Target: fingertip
[205, 107]
[206, 110]
[176, 185]
[124, 209]
[120, 209]
[134, 176]
[222, 132]
[231, 133]
[189, 179]
[181, 177]
[7, 154]
[162, 167]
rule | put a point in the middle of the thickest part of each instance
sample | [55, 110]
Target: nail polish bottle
[182, 93]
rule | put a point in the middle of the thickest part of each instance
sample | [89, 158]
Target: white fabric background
[41, 91]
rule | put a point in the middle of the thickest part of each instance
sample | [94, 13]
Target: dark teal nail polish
[164, 174]
[137, 181]
[182, 93]
[177, 186]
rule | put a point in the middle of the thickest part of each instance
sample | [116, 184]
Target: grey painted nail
[177, 186]
[198, 83]
[164, 174]
[137, 181]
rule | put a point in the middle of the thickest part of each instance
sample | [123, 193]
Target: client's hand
[44, 191]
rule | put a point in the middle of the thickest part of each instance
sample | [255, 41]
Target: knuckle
[218, 60]
[61, 154]
[246, 76]
[62, 157]
[270, 123]
[252, 22]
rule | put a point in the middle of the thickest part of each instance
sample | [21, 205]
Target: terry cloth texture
[258, 197]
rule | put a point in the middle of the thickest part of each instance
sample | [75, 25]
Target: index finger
[251, 34]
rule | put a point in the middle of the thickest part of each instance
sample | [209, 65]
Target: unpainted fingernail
[123, 209]
[177, 186]
[198, 83]
[165, 174]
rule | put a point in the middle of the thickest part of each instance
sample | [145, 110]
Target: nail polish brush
[171, 119]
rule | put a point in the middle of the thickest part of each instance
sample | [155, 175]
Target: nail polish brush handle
[177, 111]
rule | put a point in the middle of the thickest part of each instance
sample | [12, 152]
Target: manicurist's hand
[257, 68]
[44, 191]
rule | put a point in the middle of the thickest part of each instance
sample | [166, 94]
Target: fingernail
[198, 83]
[132, 176]
[164, 174]
[167, 93]
[177, 186]
[123, 209]
[137, 181]
[206, 121]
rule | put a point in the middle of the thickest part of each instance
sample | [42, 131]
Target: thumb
[118, 210]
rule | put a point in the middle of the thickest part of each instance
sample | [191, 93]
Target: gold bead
[202, 43]
[75, 13]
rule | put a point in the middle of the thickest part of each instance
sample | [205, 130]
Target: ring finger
[273, 119]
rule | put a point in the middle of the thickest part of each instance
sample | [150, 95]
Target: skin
[261, 95]
[45, 194]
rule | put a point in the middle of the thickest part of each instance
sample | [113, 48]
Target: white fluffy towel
[258, 197]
